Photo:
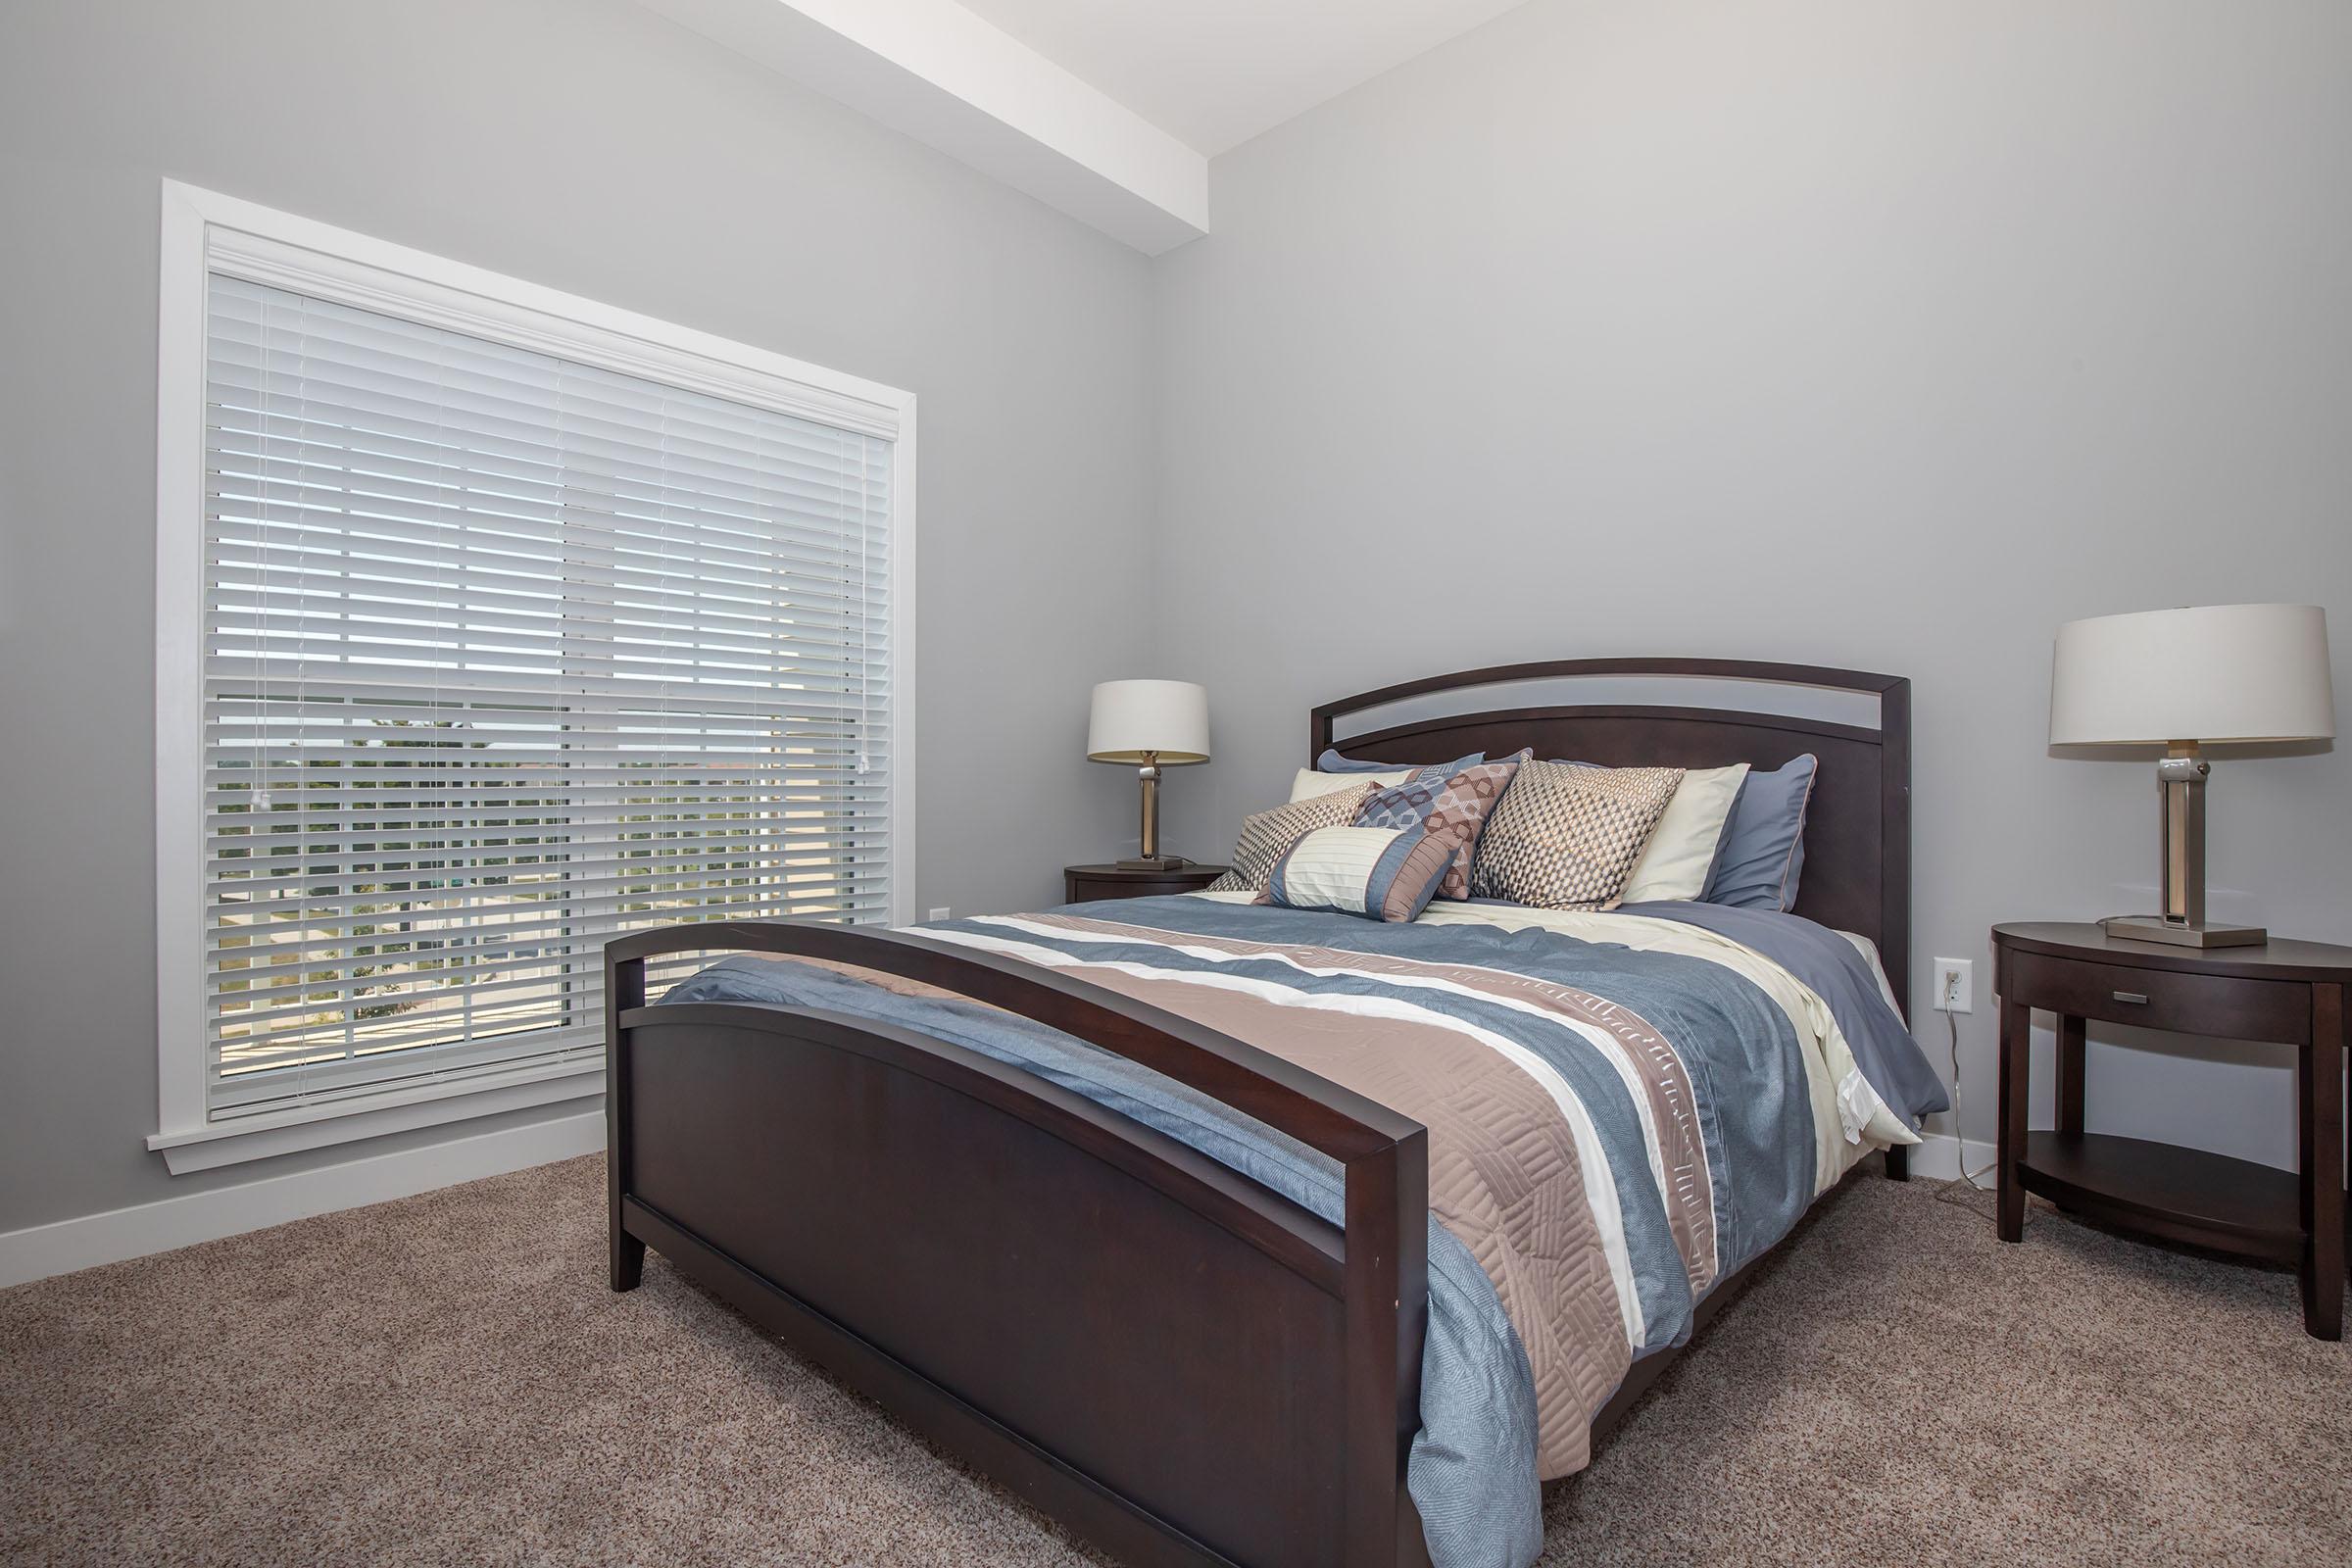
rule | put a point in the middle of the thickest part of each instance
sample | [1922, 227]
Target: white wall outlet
[940, 914]
[1955, 985]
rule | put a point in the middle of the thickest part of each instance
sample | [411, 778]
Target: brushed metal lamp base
[2180, 934]
[1151, 859]
[2181, 780]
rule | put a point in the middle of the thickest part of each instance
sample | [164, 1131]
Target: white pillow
[1674, 863]
[1309, 783]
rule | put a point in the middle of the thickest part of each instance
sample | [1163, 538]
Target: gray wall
[1872, 334]
[1876, 334]
[587, 145]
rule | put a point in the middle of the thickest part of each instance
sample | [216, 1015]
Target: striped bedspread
[1622, 1110]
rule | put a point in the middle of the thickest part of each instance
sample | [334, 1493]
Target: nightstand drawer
[2162, 998]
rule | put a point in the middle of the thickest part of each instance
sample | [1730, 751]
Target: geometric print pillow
[1268, 836]
[1454, 808]
[1566, 836]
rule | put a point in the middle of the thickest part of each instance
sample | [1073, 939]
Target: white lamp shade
[1132, 718]
[2218, 672]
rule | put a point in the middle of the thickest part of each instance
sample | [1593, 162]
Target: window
[501, 623]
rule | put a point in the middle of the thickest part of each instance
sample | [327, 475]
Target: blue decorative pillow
[1379, 874]
[1763, 848]
[1331, 761]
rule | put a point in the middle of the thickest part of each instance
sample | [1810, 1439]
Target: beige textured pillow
[1267, 836]
[1564, 837]
[1681, 850]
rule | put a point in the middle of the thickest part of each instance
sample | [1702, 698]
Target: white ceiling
[1109, 109]
[1215, 72]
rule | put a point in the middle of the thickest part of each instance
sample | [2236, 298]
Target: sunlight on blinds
[504, 655]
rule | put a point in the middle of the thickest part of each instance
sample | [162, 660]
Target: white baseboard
[40, 1250]
[1937, 1157]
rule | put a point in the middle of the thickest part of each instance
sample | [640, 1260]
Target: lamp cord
[1950, 1192]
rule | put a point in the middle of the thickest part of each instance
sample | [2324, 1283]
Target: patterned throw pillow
[1566, 836]
[1452, 808]
[1267, 836]
[1382, 873]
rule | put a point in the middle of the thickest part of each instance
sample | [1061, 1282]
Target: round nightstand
[1086, 883]
[2292, 992]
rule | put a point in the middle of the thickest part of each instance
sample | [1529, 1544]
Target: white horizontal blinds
[503, 655]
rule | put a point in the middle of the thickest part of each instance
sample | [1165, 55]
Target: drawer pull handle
[2138, 998]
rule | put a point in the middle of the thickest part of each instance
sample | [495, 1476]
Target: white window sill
[286, 1132]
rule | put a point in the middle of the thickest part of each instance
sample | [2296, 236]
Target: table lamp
[2183, 679]
[1149, 724]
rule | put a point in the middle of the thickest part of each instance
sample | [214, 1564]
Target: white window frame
[205, 232]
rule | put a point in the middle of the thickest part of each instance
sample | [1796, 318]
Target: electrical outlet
[1955, 985]
[940, 914]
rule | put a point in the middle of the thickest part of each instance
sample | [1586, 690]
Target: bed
[1112, 1202]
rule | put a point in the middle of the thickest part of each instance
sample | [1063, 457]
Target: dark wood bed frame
[1174, 1362]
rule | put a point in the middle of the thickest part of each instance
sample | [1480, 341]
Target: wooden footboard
[1174, 1361]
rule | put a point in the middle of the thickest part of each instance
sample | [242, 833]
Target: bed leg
[628, 1260]
[624, 988]
[1899, 1164]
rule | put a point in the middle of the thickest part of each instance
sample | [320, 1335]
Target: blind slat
[584, 550]
[279, 1087]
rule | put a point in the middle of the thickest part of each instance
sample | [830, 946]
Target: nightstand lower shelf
[2181, 1194]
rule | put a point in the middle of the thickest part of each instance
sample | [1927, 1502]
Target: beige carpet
[446, 1380]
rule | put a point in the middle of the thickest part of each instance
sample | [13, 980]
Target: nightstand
[2291, 992]
[1086, 883]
